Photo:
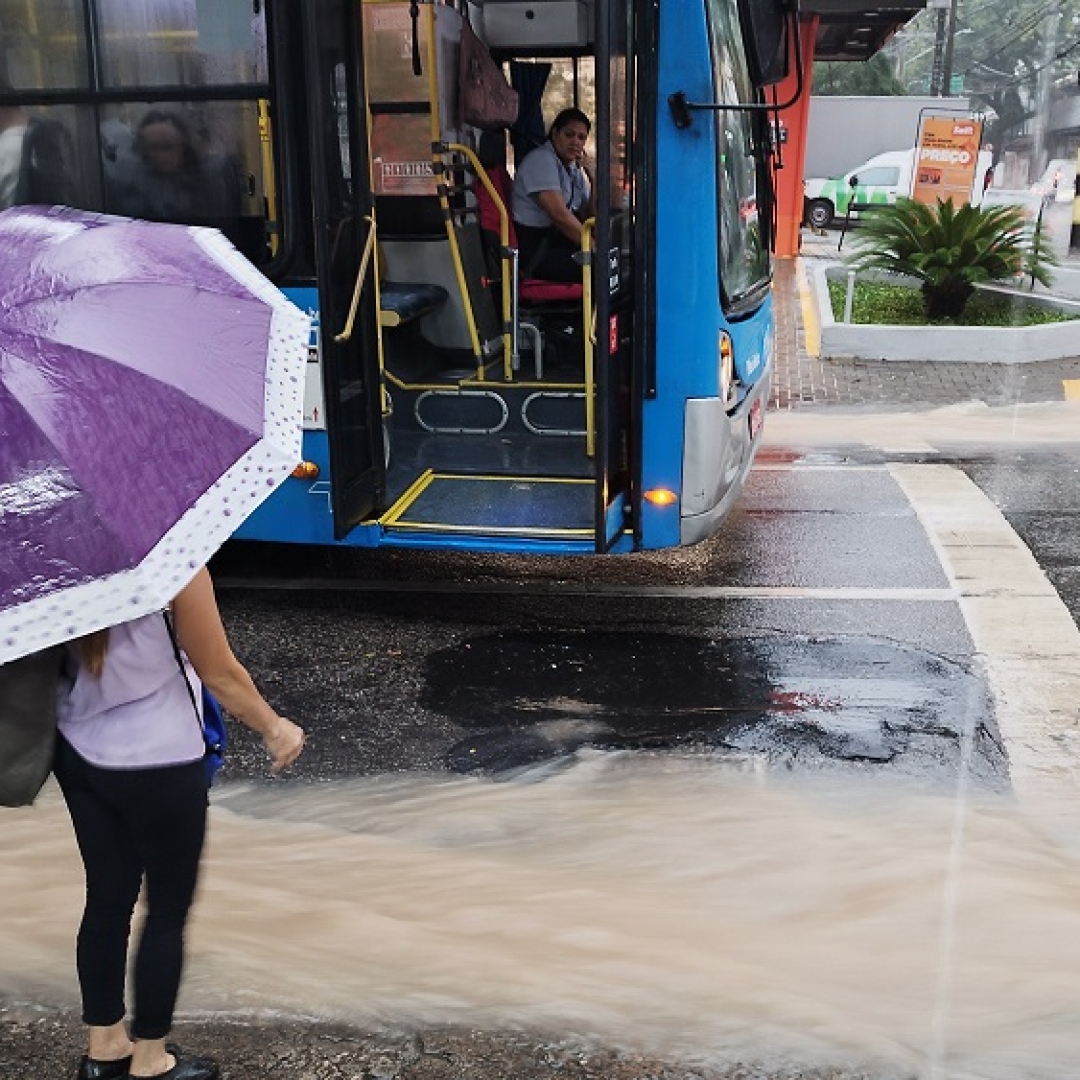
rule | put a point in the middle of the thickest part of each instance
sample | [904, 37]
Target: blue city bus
[451, 402]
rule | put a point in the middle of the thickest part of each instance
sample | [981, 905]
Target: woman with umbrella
[130, 765]
[126, 462]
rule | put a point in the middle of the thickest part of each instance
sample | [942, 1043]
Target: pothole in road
[797, 702]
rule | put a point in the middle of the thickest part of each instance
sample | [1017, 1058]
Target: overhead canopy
[856, 29]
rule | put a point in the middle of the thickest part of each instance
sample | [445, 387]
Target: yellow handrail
[509, 345]
[589, 334]
[273, 224]
[358, 288]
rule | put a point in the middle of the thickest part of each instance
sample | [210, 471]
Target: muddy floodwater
[700, 909]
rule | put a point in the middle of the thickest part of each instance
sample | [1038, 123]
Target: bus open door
[610, 341]
[345, 263]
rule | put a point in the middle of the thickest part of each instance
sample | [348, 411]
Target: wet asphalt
[400, 660]
[816, 631]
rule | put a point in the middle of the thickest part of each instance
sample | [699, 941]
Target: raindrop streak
[697, 906]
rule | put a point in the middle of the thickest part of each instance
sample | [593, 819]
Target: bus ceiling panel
[528, 25]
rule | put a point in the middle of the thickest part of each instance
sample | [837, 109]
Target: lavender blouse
[138, 714]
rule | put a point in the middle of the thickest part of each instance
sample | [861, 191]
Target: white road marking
[563, 588]
[969, 422]
[804, 465]
[1022, 631]
[913, 446]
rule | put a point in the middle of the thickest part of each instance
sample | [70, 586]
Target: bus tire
[819, 213]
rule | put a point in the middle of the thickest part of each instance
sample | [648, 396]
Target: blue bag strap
[183, 670]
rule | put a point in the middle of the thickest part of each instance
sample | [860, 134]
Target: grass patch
[878, 303]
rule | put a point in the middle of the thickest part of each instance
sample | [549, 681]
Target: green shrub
[951, 250]
[881, 303]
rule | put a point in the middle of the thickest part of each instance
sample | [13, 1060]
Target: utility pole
[1044, 80]
[947, 62]
[937, 69]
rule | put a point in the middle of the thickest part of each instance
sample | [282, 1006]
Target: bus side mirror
[853, 181]
[768, 27]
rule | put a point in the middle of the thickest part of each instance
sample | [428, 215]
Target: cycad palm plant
[951, 250]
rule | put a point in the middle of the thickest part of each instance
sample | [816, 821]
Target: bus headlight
[727, 370]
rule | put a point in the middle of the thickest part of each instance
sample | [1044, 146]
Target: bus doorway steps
[493, 505]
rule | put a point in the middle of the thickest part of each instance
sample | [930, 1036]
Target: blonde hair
[92, 649]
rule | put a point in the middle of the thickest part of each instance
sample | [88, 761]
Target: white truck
[878, 181]
[1058, 180]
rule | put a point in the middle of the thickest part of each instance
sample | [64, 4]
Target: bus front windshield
[744, 254]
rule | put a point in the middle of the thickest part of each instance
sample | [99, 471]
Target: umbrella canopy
[151, 389]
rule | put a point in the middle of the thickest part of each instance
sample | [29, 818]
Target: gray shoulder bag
[28, 691]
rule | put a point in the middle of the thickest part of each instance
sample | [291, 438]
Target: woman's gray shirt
[543, 170]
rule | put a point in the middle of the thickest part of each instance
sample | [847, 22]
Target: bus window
[42, 51]
[744, 254]
[571, 83]
[151, 148]
[192, 162]
[181, 43]
[40, 158]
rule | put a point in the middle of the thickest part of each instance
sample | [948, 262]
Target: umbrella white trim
[152, 585]
[216, 514]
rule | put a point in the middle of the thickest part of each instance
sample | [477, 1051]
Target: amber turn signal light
[306, 470]
[661, 497]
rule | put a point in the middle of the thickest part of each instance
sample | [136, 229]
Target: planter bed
[970, 344]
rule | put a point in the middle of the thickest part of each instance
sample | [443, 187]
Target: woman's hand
[283, 743]
[202, 637]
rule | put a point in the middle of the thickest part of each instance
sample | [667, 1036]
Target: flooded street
[799, 804]
[700, 909]
[616, 466]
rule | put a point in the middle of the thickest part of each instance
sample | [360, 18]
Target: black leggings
[131, 822]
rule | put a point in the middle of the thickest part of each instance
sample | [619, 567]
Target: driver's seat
[539, 301]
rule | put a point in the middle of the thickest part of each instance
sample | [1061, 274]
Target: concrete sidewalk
[803, 381]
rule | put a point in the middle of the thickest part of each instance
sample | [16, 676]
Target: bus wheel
[819, 213]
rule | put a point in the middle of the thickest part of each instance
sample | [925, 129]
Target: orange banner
[946, 159]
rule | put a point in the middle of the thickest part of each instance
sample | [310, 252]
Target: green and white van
[879, 181]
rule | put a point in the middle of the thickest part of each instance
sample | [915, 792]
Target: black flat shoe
[90, 1069]
[186, 1068]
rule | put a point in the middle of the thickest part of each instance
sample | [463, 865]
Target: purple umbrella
[151, 385]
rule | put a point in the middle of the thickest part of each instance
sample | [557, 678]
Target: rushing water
[666, 902]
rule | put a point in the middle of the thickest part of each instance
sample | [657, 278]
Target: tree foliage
[951, 250]
[998, 52]
[875, 78]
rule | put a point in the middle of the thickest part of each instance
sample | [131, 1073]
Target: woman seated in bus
[553, 194]
[170, 178]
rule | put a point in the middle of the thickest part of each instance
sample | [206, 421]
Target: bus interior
[488, 422]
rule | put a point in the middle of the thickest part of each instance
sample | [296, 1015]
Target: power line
[1026, 27]
[1035, 70]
